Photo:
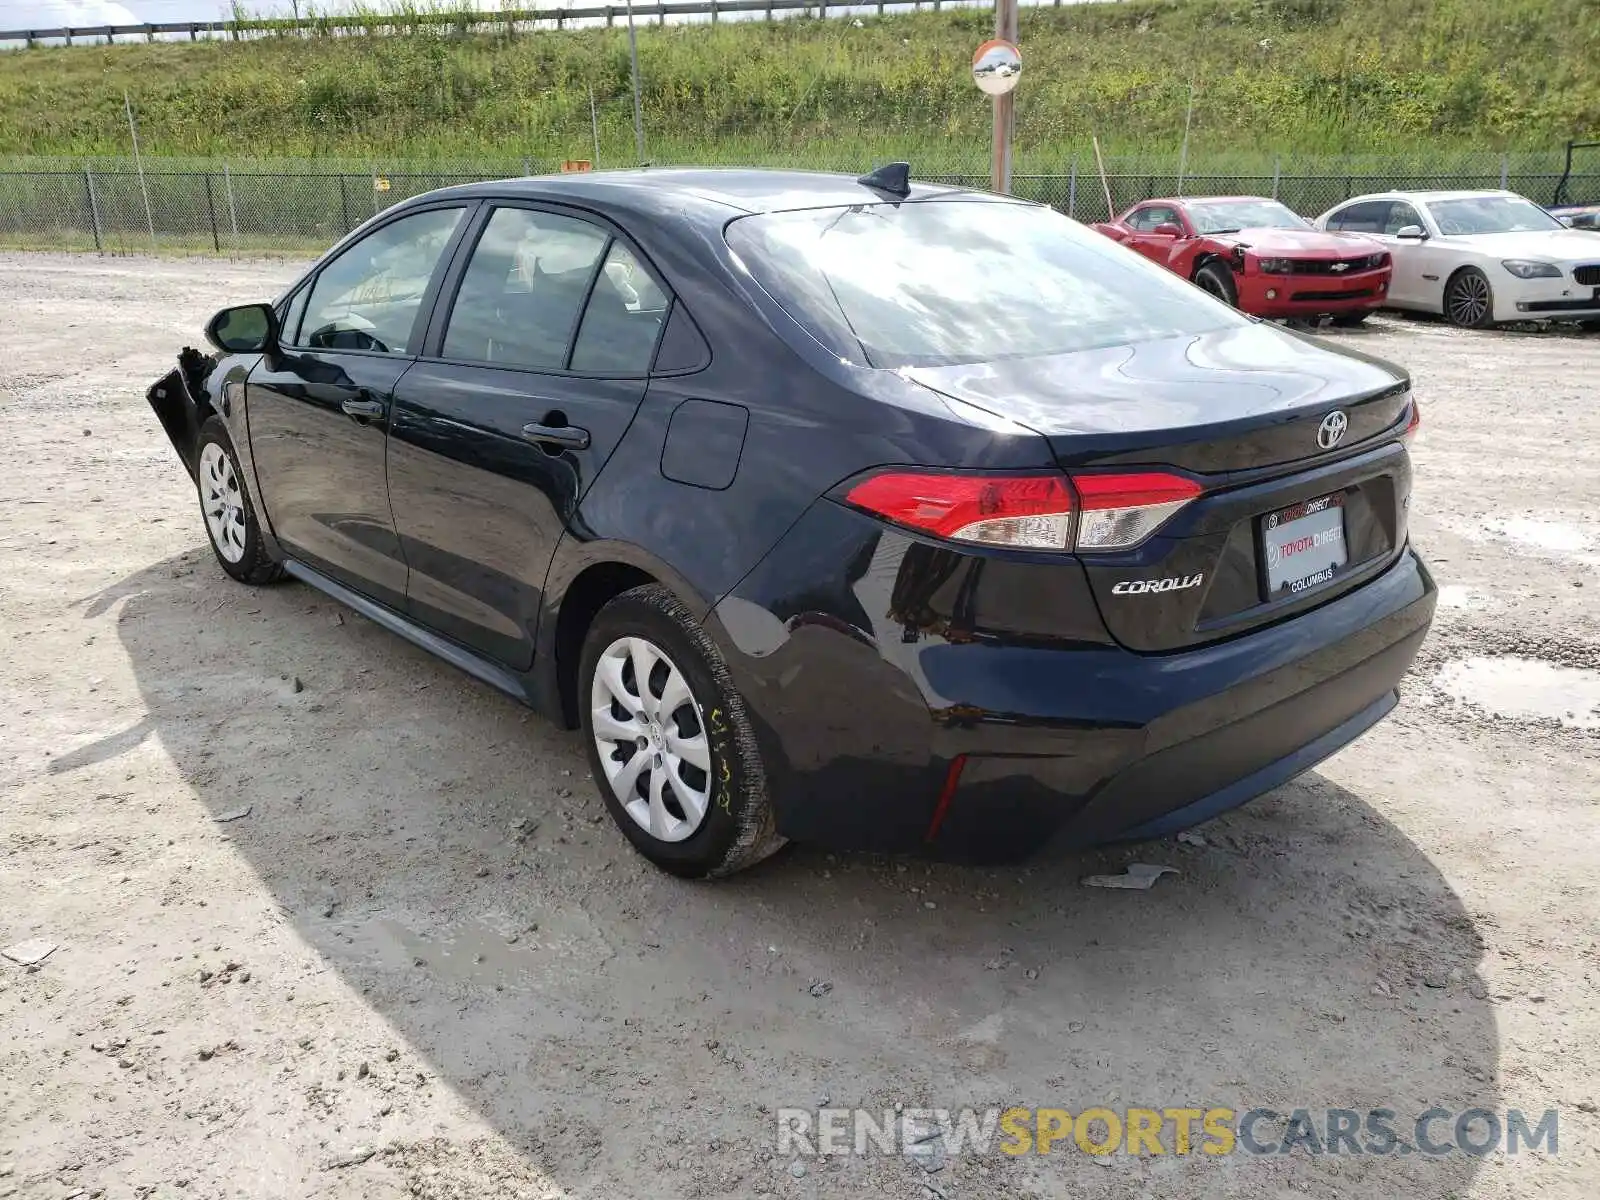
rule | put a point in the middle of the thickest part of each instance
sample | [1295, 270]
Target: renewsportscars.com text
[1215, 1130]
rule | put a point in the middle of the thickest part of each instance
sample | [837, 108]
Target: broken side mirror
[245, 329]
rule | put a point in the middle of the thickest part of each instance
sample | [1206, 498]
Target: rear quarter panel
[812, 422]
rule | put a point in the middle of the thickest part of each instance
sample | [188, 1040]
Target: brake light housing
[1120, 511]
[1089, 512]
[1031, 512]
[1413, 424]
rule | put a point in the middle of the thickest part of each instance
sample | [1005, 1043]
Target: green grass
[1272, 77]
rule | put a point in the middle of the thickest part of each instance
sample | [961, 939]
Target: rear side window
[524, 288]
[941, 282]
[1370, 216]
[623, 319]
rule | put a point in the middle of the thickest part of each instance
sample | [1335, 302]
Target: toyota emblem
[1331, 432]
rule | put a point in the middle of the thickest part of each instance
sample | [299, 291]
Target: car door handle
[569, 437]
[363, 409]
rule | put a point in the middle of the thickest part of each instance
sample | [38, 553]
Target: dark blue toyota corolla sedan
[871, 513]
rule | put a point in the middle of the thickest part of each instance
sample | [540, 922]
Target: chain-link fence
[120, 206]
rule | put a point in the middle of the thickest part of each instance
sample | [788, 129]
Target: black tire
[253, 565]
[1469, 300]
[738, 827]
[1215, 278]
[1351, 320]
[1589, 326]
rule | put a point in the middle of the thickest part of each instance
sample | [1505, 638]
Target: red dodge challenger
[1259, 256]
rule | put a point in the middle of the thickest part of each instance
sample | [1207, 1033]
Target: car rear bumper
[1312, 295]
[885, 728]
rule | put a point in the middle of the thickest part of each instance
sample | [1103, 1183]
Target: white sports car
[1479, 257]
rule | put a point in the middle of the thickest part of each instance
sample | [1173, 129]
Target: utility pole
[138, 162]
[638, 118]
[1005, 104]
[1183, 154]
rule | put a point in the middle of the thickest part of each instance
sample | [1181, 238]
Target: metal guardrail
[458, 21]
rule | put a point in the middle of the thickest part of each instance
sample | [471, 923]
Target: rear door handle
[363, 410]
[569, 437]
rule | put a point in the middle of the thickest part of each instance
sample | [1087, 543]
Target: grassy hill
[1323, 76]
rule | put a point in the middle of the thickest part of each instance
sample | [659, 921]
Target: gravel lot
[425, 955]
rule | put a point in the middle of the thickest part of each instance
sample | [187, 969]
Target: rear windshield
[935, 283]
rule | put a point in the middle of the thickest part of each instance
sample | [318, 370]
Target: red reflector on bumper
[947, 793]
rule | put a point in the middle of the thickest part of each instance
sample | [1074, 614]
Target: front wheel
[1215, 278]
[1469, 300]
[231, 521]
[670, 744]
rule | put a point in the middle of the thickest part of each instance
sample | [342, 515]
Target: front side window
[1234, 215]
[1490, 214]
[953, 281]
[1401, 215]
[523, 291]
[1147, 219]
[368, 298]
[289, 321]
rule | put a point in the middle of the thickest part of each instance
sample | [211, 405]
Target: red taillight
[1113, 511]
[1029, 511]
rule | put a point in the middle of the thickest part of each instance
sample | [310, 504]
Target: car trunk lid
[1297, 449]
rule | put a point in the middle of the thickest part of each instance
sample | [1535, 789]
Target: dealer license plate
[1303, 546]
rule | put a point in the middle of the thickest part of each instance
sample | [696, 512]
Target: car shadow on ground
[440, 849]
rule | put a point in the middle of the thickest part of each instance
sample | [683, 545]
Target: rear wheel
[231, 521]
[670, 744]
[1215, 278]
[1469, 300]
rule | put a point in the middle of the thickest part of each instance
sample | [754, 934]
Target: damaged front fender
[182, 403]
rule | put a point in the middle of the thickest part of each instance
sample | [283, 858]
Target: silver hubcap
[223, 502]
[652, 739]
[1469, 300]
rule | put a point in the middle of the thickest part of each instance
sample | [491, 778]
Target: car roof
[1204, 200]
[723, 192]
[1457, 194]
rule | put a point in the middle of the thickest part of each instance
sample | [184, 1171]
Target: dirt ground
[423, 964]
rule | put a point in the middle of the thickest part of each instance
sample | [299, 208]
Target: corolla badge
[1331, 432]
[1139, 587]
